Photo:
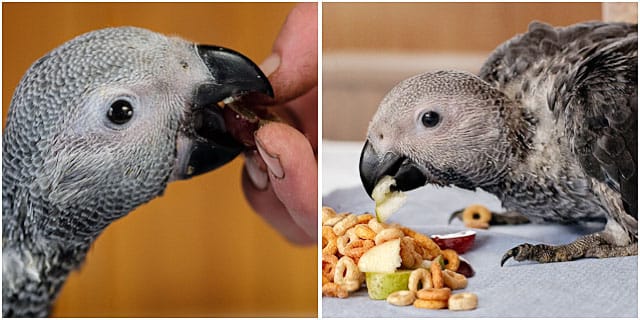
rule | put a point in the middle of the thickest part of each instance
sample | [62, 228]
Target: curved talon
[519, 253]
[512, 253]
[456, 214]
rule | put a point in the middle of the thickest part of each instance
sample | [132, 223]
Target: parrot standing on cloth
[549, 126]
[97, 127]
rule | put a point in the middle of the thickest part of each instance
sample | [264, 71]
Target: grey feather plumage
[63, 186]
[74, 160]
[549, 126]
[592, 70]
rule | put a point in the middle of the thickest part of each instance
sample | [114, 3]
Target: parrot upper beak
[234, 75]
[374, 166]
[209, 144]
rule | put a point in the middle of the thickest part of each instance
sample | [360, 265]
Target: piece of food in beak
[387, 201]
[243, 120]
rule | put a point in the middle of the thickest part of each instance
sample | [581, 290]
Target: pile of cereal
[346, 237]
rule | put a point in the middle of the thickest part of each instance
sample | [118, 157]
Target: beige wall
[198, 250]
[370, 47]
[439, 26]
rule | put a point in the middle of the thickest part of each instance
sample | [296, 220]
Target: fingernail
[272, 161]
[257, 170]
[270, 64]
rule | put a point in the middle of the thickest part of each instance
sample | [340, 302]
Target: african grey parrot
[549, 126]
[97, 127]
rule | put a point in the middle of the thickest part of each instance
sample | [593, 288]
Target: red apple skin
[465, 269]
[240, 127]
[242, 122]
[459, 244]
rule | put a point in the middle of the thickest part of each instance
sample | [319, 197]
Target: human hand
[280, 178]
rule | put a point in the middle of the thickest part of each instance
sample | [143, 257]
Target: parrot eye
[120, 112]
[430, 119]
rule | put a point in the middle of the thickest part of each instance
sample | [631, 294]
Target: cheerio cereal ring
[476, 212]
[334, 290]
[329, 245]
[364, 232]
[347, 274]
[434, 294]
[335, 219]
[329, 262]
[328, 213]
[463, 301]
[476, 224]
[452, 262]
[431, 248]
[411, 258]
[343, 225]
[454, 280]
[341, 244]
[419, 276]
[375, 225]
[351, 233]
[430, 304]
[387, 235]
[401, 298]
[364, 218]
[436, 275]
[356, 249]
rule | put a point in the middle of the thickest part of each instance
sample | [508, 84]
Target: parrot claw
[514, 253]
[456, 214]
[595, 245]
[541, 253]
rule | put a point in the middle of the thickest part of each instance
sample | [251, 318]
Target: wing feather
[595, 91]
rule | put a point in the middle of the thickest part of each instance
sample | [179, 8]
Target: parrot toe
[595, 245]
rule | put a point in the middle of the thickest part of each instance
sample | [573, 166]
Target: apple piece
[387, 202]
[382, 188]
[381, 258]
[461, 241]
[381, 284]
[465, 268]
[392, 203]
[242, 119]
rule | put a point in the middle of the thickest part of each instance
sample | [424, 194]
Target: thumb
[293, 66]
[292, 169]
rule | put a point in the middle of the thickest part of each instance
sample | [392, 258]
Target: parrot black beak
[234, 76]
[210, 144]
[374, 166]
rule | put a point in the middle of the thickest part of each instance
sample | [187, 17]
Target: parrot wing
[598, 101]
[594, 92]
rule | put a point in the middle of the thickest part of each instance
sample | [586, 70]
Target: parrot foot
[497, 218]
[589, 246]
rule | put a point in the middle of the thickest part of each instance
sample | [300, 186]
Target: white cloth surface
[582, 288]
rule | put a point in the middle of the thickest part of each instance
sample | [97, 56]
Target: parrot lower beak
[207, 143]
[374, 166]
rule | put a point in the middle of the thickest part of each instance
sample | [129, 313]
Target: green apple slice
[387, 202]
[392, 203]
[380, 285]
[381, 258]
[382, 188]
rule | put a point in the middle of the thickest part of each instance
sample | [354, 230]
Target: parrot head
[442, 128]
[102, 123]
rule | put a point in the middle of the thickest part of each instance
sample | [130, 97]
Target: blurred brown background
[369, 47]
[198, 250]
